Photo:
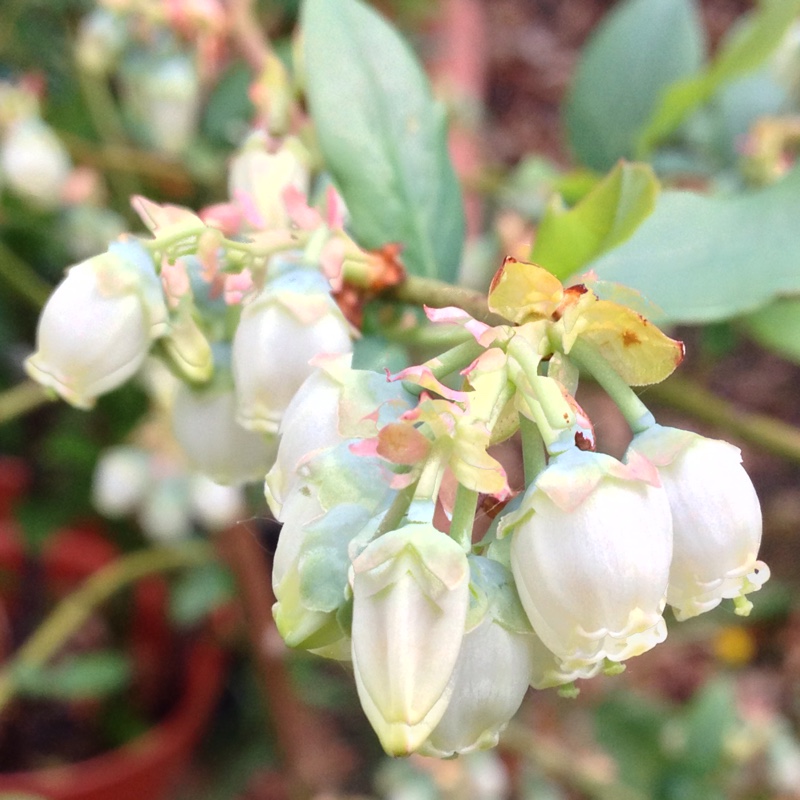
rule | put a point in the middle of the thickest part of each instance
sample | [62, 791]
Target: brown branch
[768, 433]
[315, 760]
[246, 32]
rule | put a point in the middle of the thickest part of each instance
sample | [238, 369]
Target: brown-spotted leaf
[639, 351]
[521, 291]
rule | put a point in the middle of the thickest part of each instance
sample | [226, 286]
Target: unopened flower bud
[716, 518]
[280, 331]
[591, 559]
[34, 162]
[164, 101]
[101, 37]
[258, 179]
[410, 600]
[96, 329]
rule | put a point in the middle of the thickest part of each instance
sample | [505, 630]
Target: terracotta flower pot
[146, 767]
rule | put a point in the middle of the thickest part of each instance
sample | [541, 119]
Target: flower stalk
[463, 516]
[635, 412]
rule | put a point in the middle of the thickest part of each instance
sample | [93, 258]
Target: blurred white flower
[163, 512]
[257, 180]
[100, 40]
[213, 505]
[35, 163]
[214, 443]
[167, 500]
[121, 480]
[163, 97]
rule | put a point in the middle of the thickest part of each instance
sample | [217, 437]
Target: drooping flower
[494, 665]
[97, 327]
[716, 519]
[292, 320]
[590, 553]
[214, 443]
[310, 424]
[410, 600]
[326, 496]
[490, 679]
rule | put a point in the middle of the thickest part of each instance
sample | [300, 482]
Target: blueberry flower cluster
[377, 480]
[377, 561]
[235, 300]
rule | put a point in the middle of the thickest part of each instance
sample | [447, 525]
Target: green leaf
[568, 239]
[777, 327]
[629, 729]
[88, 675]
[709, 720]
[703, 259]
[743, 51]
[229, 109]
[639, 49]
[382, 136]
[198, 592]
[736, 107]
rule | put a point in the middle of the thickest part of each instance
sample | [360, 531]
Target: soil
[533, 46]
[38, 732]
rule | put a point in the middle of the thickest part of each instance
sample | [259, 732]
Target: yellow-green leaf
[744, 50]
[473, 466]
[639, 351]
[522, 291]
[568, 239]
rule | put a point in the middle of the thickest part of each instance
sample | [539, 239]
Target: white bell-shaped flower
[410, 600]
[34, 162]
[590, 555]
[716, 518]
[309, 425]
[280, 331]
[301, 508]
[205, 426]
[310, 571]
[96, 329]
[548, 671]
[490, 679]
